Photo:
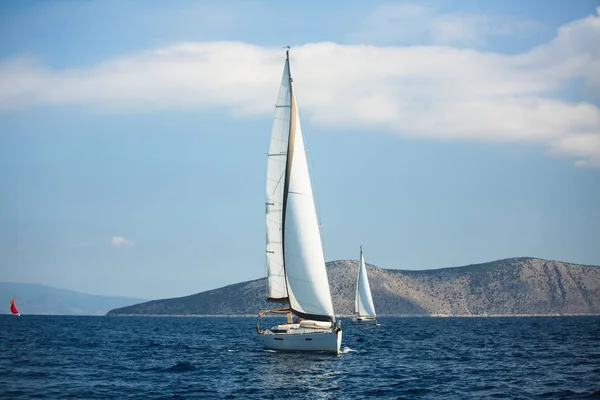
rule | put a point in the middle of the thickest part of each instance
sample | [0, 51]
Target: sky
[133, 135]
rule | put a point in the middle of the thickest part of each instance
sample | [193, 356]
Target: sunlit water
[185, 358]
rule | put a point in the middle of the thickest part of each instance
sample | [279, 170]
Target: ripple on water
[140, 358]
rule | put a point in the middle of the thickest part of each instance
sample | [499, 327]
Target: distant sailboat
[13, 308]
[296, 274]
[363, 302]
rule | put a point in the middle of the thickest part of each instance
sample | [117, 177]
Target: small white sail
[363, 303]
[276, 163]
[308, 286]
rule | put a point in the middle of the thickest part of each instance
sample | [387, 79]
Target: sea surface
[56, 357]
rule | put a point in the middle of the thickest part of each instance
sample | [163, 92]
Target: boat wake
[346, 350]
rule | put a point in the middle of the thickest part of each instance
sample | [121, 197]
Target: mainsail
[295, 260]
[363, 303]
[277, 158]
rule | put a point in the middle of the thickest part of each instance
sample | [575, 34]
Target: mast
[290, 155]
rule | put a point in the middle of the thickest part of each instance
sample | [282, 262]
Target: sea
[74, 357]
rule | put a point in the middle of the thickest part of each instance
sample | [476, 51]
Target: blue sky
[133, 135]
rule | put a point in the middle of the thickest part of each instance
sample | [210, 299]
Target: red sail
[13, 306]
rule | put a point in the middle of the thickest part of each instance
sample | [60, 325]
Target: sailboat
[296, 274]
[13, 308]
[363, 302]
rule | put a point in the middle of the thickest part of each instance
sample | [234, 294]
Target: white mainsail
[363, 303]
[277, 158]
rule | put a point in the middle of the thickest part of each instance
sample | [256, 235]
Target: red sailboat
[13, 308]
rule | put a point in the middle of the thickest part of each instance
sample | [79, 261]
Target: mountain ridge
[512, 286]
[39, 299]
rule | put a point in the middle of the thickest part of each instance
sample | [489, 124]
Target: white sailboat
[363, 302]
[296, 274]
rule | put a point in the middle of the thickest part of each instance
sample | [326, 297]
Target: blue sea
[56, 357]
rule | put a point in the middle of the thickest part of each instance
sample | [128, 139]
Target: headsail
[276, 163]
[363, 303]
[13, 307]
[304, 262]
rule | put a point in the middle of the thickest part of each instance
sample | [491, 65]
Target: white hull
[363, 321]
[303, 340]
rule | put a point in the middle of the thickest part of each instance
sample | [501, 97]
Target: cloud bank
[547, 95]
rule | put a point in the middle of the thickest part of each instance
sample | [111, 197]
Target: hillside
[45, 300]
[516, 286]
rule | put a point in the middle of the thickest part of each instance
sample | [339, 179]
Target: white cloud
[586, 145]
[119, 241]
[437, 92]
